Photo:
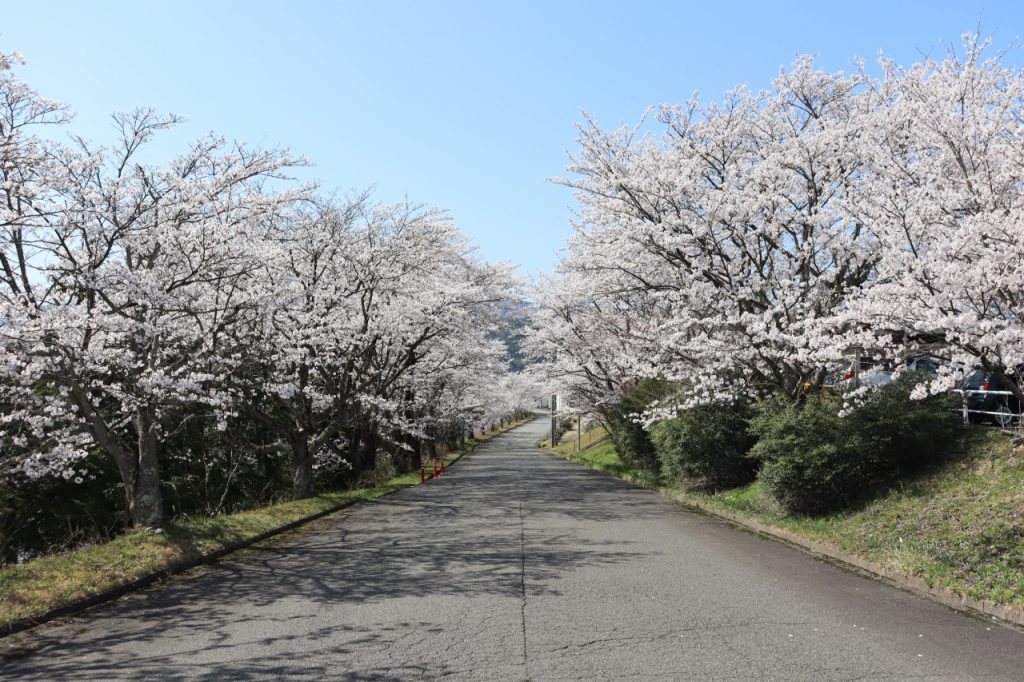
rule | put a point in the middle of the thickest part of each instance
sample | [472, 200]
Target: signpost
[579, 431]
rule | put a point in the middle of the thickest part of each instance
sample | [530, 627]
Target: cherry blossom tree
[119, 281]
[592, 342]
[210, 310]
[377, 311]
[725, 245]
[760, 237]
[942, 188]
[436, 319]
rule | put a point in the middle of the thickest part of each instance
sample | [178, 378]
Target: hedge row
[814, 455]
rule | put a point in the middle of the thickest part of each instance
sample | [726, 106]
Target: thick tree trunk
[433, 453]
[302, 466]
[370, 442]
[142, 486]
[408, 460]
[139, 470]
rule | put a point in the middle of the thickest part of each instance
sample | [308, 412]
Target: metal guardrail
[584, 440]
[597, 441]
[1003, 418]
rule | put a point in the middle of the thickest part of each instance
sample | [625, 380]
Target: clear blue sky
[468, 106]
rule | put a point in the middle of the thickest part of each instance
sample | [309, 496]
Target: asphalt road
[520, 566]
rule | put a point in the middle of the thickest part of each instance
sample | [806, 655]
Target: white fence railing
[1003, 415]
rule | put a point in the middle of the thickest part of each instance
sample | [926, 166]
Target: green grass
[603, 457]
[31, 589]
[959, 525]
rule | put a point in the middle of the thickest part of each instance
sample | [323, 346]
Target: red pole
[423, 474]
[435, 469]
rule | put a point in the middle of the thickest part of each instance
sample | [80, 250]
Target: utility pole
[554, 419]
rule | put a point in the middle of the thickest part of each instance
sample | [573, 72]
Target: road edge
[136, 584]
[970, 606]
[983, 608]
[77, 606]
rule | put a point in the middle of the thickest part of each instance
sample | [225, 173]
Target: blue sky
[468, 106]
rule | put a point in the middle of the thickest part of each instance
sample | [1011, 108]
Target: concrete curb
[148, 579]
[982, 608]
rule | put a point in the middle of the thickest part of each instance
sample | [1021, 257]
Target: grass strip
[958, 526]
[36, 588]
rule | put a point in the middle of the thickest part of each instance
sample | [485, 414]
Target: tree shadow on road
[279, 609]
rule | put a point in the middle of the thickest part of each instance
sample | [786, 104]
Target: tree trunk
[370, 443]
[363, 449]
[140, 473]
[403, 460]
[408, 460]
[302, 466]
[142, 485]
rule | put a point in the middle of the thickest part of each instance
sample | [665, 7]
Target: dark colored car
[929, 366]
[987, 400]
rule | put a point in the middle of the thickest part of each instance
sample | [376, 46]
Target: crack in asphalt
[522, 584]
[678, 632]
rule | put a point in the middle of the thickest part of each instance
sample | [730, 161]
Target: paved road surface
[520, 566]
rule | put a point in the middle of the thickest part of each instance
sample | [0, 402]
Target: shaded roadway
[517, 566]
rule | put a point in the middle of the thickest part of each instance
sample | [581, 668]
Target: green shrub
[708, 443]
[809, 462]
[49, 514]
[632, 441]
[909, 433]
[814, 461]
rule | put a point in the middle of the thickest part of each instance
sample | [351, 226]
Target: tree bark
[139, 470]
[370, 449]
[145, 500]
[302, 466]
[408, 460]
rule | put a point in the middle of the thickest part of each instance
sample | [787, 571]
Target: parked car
[924, 364]
[878, 373]
[873, 373]
[987, 400]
